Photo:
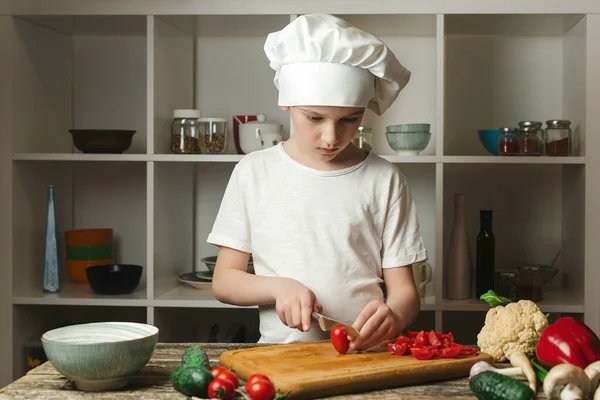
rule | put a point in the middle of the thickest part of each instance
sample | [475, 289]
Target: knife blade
[327, 324]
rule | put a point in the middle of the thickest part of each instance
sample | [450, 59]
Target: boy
[325, 222]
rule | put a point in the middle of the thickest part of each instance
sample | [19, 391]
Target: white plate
[191, 279]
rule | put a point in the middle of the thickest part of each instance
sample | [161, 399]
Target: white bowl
[100, 356]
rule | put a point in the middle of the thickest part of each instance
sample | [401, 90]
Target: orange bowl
[89, 237]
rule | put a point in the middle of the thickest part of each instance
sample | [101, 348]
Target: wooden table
[45, 383]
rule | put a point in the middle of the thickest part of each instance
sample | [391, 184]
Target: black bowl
[114, 279]
[104, 141]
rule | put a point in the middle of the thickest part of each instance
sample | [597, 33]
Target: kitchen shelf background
[131, 71]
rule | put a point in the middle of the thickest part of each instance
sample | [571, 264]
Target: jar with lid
[363, 139]
[531, 140]
[213, 135]
[531, 281]
[508, 142]
[184, 132]
[505, 284]
[558, 138]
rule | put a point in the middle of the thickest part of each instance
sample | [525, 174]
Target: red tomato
[257, 377]
[217, 370]
[220, 388]
[397, 349]
[404, 339]
[421, 340]
[230, 376]
[339, 339]
[468, 351]
[423, 353]
[260, 389]
[449, 352]
[434, 340]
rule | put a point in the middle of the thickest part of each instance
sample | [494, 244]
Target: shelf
[78, 157]
[186, 296]
[554, 302]
[79, 295]
[512, 160]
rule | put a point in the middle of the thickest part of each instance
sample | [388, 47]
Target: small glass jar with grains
[508, 142]
[213, 135]
[185, 132]
[558, 138]
[531, 141]
[363, 139]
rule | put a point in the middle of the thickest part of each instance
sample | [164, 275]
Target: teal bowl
[489, 140]
[408, 143]
[100, 356]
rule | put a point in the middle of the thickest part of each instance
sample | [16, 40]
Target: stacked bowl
[408, 139]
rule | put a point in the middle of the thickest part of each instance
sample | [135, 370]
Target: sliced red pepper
[434, 341]
[449, 352]
[468, 351]
[421, 340]
[397, 349]
[404, 339]
[423, 353]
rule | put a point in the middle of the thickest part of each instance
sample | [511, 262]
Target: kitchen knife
[327, 324]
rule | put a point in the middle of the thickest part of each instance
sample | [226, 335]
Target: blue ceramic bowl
[100, 356]
[489, 140]
[408, 143]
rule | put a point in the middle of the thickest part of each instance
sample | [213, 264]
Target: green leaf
[540, 371]
[494, 300]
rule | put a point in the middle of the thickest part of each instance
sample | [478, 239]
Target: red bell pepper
[568, 341]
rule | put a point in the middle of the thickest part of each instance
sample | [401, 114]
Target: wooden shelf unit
[127, 64]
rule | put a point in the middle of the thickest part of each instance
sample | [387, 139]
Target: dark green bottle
[486, 254]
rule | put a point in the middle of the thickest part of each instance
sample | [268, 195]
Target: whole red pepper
[568, 341]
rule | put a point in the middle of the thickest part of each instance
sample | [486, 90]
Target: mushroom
[566, 382]
[519, 359]
[593, 373]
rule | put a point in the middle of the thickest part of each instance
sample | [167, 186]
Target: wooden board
[315, 369]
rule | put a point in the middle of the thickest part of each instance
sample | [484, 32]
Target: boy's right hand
[295, 303]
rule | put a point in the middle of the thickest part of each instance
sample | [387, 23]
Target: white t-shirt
[333, 231]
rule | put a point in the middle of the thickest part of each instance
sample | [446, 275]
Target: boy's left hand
[376, 323]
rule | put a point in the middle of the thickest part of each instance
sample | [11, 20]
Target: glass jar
[558, 138]
[530, 139]
[213, 135]
[531, 283]
[505, 284]
[184, 132]
[363, 139]
[508, 142]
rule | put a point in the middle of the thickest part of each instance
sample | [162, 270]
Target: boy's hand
[376, 323]
[295, 303]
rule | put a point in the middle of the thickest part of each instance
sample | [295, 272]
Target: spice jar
[530, 283]
[505, 284]
[508, 142]
[213, 135]
[363, 139]
[558, 138]
[530, 143]
[184, 132]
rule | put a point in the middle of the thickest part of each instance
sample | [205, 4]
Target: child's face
[324, 131]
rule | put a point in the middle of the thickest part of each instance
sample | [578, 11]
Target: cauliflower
[510, 328]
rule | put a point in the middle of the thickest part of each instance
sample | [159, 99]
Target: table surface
[153, 381]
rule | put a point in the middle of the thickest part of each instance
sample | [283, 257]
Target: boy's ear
[285, 108]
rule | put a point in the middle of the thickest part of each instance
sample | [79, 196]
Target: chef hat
[322, 60]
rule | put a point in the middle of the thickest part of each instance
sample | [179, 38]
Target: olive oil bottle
[486, 254]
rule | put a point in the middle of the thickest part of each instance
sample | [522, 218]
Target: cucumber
[195, 356]
[191, 380]
[490, 385]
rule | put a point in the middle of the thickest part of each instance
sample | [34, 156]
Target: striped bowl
[100, 356]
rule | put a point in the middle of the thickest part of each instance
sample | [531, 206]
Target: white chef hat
[322, 60]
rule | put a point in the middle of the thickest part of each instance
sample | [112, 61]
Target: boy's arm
[402, 295]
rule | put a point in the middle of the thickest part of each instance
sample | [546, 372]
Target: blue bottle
[51, 280]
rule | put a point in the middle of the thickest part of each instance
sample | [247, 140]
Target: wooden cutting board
[315, 369]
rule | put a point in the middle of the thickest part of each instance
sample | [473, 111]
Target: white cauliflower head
[510, 328]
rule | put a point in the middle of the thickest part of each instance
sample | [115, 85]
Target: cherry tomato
[423, 353]
[217, 370]
[421, 340]
[397, 349]
[230, 376]
[468, 351]
[260, 389]
[434, 340]
[221, 388]
[448, 352]
[257, 377]
[339, 339]
[404, 339]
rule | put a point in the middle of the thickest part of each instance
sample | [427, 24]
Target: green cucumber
[490, 385]
[196, 356]
[191, 380]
